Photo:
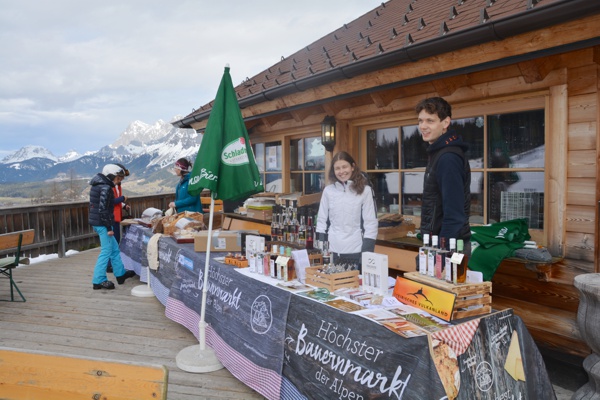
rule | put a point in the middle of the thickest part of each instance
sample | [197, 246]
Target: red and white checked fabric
[265, 381]
[458, 337]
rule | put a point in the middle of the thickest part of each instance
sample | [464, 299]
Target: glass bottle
[423, 250]
[302, 232]
[294, 227]
[290, 270]
[266, 263]
[449, 271]
[461, 268]
[274, 226]
[440, 259]
[431, 256]
[272, 262]
[309, 234]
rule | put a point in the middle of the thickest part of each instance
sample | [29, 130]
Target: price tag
[457, 258]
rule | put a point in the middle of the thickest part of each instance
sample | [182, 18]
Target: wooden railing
[61, 227]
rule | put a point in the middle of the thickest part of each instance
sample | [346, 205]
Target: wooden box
[332, 282]
[472, 299]
[393, 232]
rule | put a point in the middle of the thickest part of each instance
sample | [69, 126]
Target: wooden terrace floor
[63, 314]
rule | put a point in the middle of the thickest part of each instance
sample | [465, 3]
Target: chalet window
[307, 165]
[506, 155]
[268, 160]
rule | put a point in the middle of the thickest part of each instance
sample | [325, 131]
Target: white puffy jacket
[344, 207]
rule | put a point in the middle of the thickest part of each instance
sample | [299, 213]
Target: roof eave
[495, 30]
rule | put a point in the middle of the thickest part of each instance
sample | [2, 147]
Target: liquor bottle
[309, 234]
[449, 271]
[431, 256]
[423, 250]
[461, 268]
[302, 232]
[295, 225]
[274, 226]
[272, 262]
[440, 259]
[290, 270]
[282, 225]
[266, 263]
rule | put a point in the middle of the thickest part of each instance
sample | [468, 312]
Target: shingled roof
[397, 32]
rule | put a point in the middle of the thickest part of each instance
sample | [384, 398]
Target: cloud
[74, 74]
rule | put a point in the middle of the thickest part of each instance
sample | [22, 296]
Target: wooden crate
[467, 294]
[332, 282]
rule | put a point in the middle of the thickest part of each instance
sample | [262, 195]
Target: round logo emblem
[484, 376]
[261, 317]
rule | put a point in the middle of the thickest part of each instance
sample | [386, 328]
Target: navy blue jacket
[101, 202]
[447, 189]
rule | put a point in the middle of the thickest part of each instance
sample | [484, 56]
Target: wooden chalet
[523, 79]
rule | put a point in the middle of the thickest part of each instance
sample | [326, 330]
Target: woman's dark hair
[435, 105]
[184, 165]
[359, 181]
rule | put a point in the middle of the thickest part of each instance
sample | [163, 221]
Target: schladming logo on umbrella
[234, 153]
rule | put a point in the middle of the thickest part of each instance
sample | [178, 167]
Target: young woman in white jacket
[347, 211]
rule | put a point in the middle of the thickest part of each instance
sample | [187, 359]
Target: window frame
[303, 172]
[513, 104]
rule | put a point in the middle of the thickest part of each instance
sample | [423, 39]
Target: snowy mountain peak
[71, 155]
[29, 152]
[140, 132]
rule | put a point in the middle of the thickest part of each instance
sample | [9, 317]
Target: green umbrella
[225, 165]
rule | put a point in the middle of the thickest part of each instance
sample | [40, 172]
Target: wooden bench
[14, 240]
[36, 375]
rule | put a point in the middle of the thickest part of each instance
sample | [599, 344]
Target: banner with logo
[417, 294]
[332, 354]
[250, 318]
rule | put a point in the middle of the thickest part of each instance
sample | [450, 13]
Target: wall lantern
[328, 133]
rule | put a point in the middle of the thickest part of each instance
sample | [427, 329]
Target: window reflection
[259, 155]
[412, 191]
[268, 160]
[307, 154]
[506, 154]
[382, 148]
[273, 156]
[516, 140]
[314, 183]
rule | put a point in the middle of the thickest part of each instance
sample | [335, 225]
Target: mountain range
[148, 151]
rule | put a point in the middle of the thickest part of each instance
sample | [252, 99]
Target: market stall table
[292, 347]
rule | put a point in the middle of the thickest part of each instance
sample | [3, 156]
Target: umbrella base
[142, 291]
[192, 359]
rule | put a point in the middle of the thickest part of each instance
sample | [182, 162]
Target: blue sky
[74, 74]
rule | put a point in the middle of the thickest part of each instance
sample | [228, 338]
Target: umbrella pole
[199, 358]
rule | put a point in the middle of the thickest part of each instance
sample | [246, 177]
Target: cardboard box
[220, 241]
